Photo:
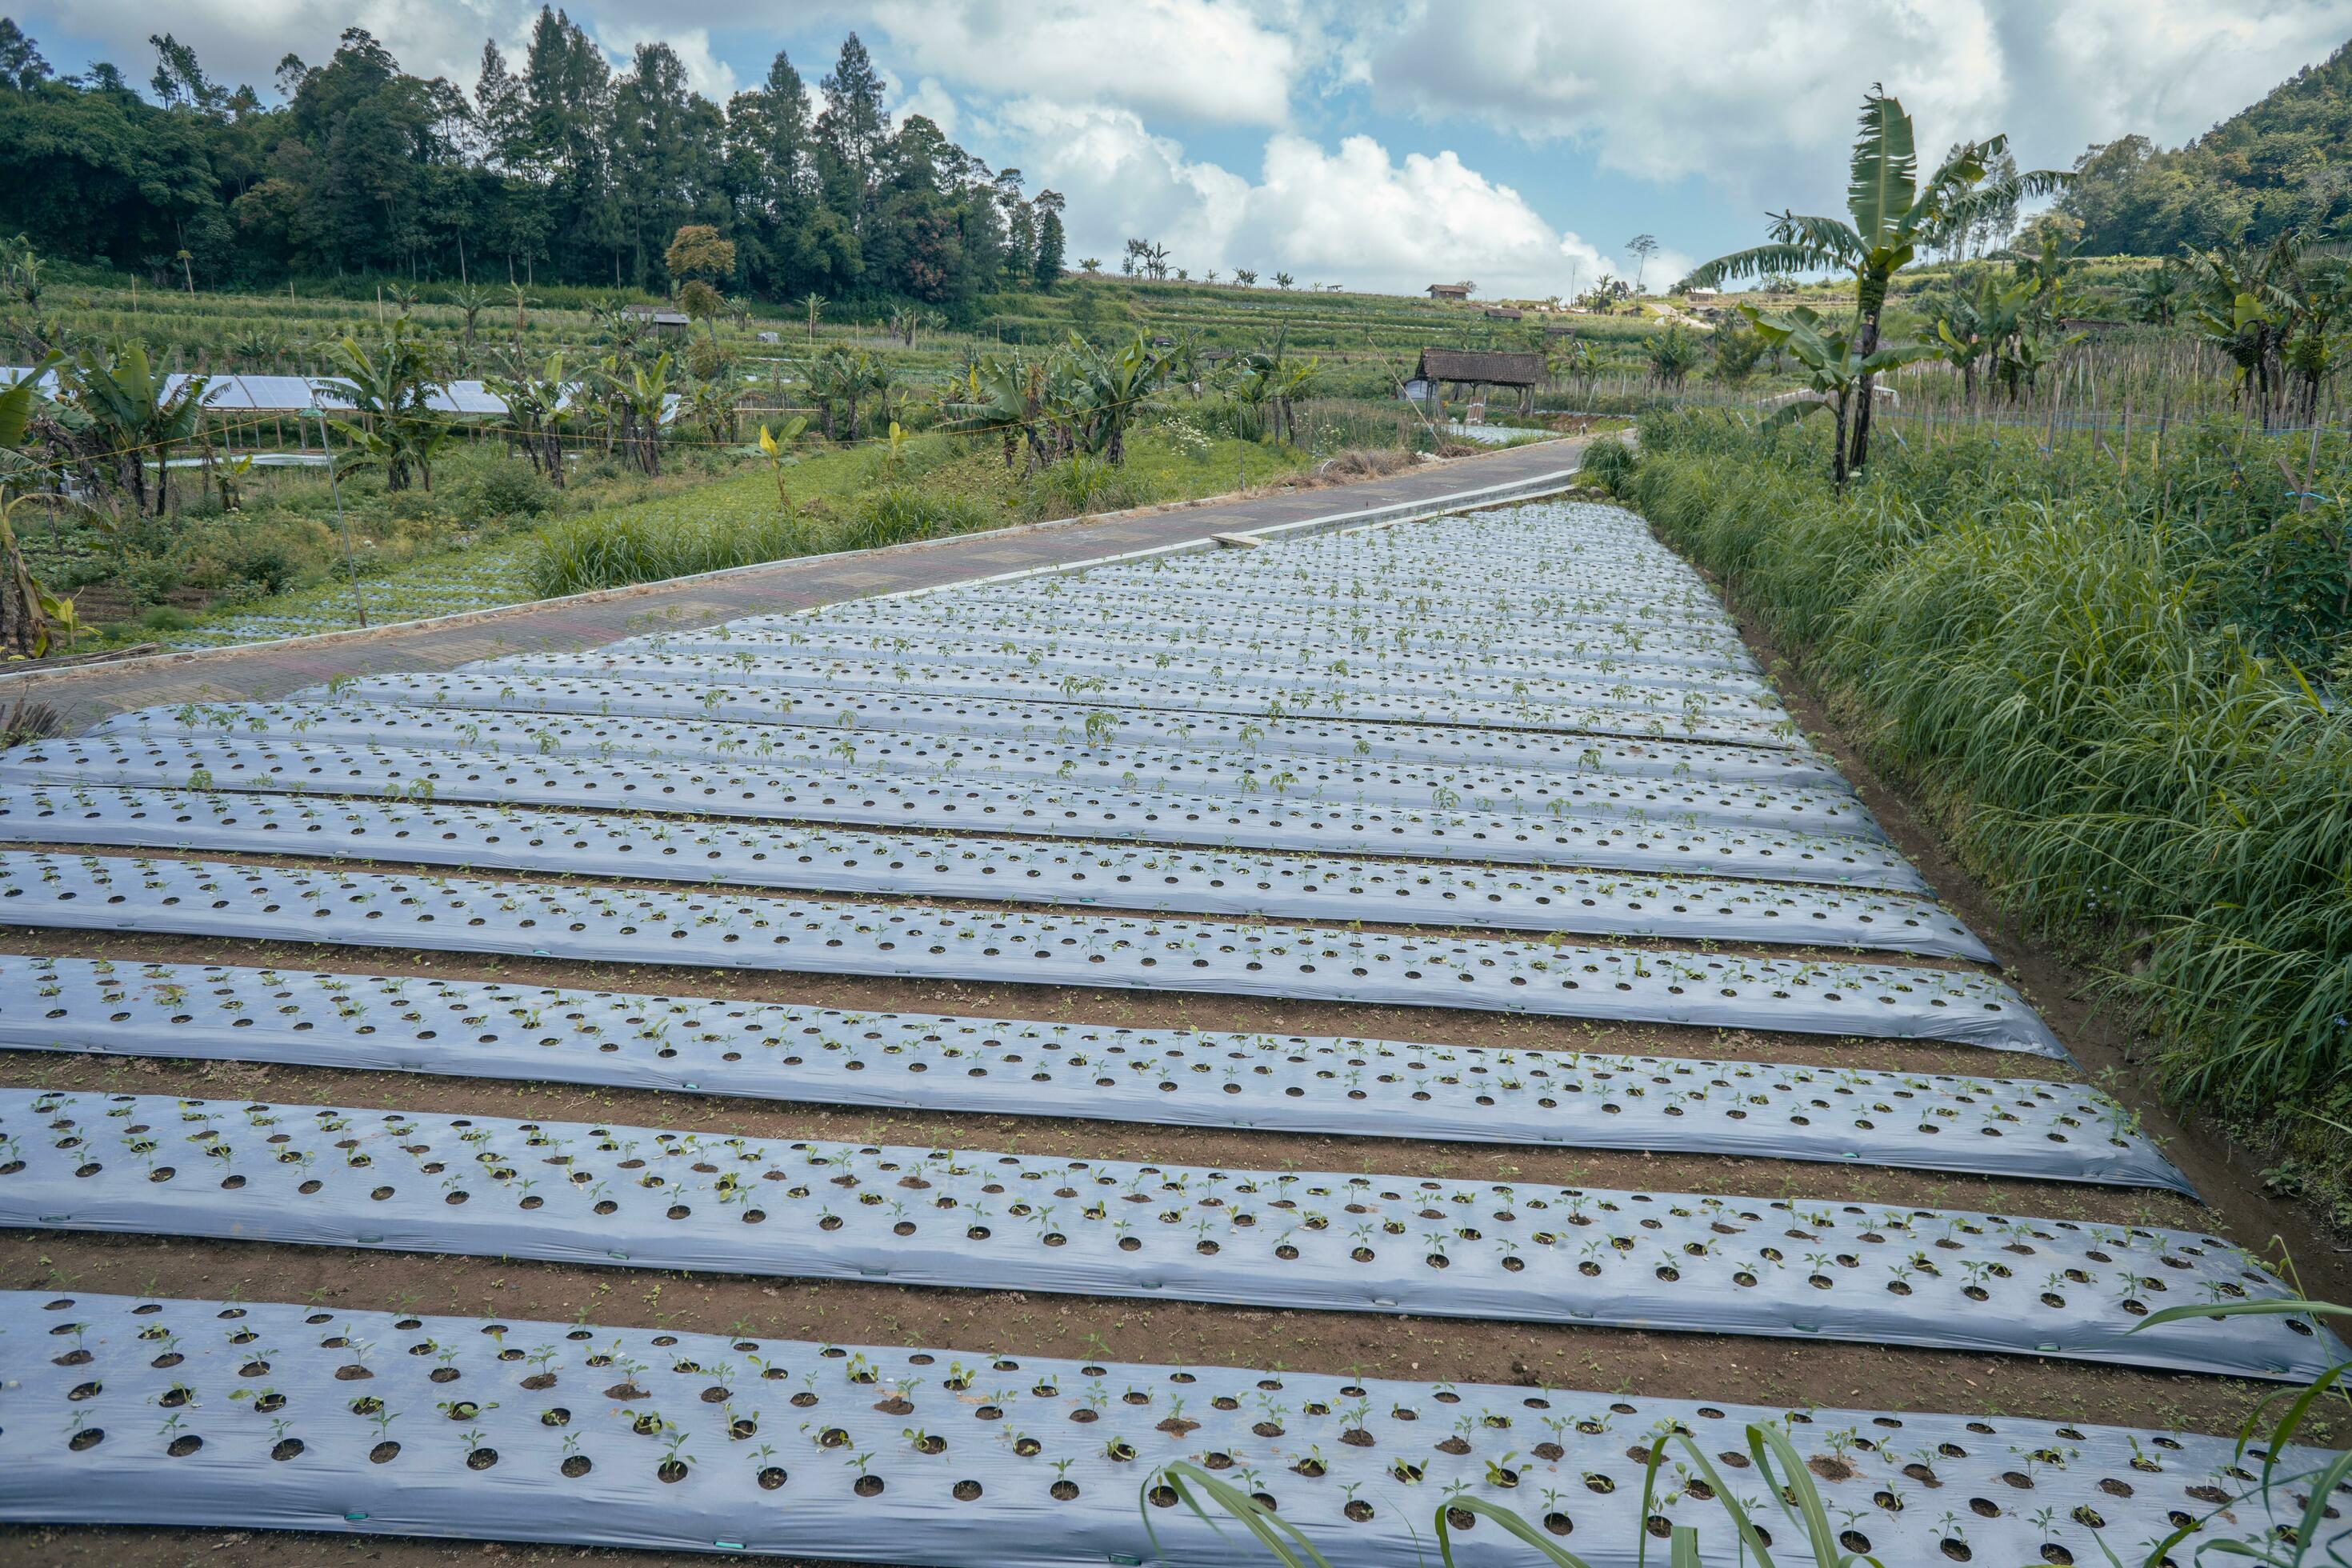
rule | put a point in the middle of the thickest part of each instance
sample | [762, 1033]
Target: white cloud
[707, 74]
[242, 40]
[934, 103]
[1760, 98]
[1352, 213]
[1210, 61]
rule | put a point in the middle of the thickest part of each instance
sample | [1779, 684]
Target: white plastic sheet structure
[509, 689]
[719, 929]
[1850, 854]
[607, 1193]
[1275, 1082]
[1083, 875]
[127, 1411]
[1081, 764]
[1596, 707]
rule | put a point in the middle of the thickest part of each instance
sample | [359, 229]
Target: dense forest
[555, 168]
[2273, 168]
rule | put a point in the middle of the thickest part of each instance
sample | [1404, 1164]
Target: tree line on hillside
[2272, 169]
[555, 168]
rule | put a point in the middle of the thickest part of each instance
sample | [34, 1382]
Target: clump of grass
[614, 549]
[2112, 687]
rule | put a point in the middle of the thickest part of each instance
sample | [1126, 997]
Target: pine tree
[1051, 243]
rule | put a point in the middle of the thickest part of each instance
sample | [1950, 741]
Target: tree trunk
[23, 629]
[1838, 467]
[1871, 299]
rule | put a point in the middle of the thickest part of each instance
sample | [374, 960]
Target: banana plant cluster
[30, 613]
[2002, 333]
[2277, 312]
[1838, 371]
[389, 388]
[1892, 214]
[845, 384]
[1078, 400]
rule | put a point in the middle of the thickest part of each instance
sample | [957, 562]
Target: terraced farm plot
[1086, 890]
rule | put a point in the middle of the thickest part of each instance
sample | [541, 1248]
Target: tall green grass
[2114, 688]
[612, 550]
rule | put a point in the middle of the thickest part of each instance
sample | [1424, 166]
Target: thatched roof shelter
[1480, 367]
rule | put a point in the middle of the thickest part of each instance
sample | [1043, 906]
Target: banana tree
[471, 302]
[30, 613]
[536, 411]
[389, 390]
[2245, 306]
[1978, 324]
[637, 396]
[1836, 370]
[1893, 216]
[1114, 386]
[776, 446]
[999, 396]
[134, 411]
[1268, 382]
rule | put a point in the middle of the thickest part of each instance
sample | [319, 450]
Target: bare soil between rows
[1721, 1368]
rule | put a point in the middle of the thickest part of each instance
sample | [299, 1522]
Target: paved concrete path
[83, 695]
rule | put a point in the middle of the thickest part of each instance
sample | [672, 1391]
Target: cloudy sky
[1387, 143]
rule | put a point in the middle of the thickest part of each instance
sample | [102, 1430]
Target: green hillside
[2273, 167]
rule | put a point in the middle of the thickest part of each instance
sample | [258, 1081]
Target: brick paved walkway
[86, 694]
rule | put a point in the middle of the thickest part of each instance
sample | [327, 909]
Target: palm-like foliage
[2156, 296]
[1673, 354]
[1000, 395]
[848, 377]
[1837, 368]
[1892, 214]
[133, 411]
[636, 402]
[1267, 382]
[471, 302]
[28, 611]
[389, 390]
[537, 410]
[1982, 323]
[1110, 387]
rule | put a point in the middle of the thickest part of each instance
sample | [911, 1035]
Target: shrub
[1084, 484]
[1610, 464]
[513, 487]
[895, 514]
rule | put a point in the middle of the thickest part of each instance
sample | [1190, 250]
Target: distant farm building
[661, 321]
[1474, 370]
[1450, 291]
[1502, 313]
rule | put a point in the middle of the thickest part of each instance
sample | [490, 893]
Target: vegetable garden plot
[1386, 1088]
[522, 1430]
[1794, 764]
[575, 1193]
[1258, 635]
[1663, 846]
[1628, 618]
[1357, 666]
[1171, 879]
[715, 930]
[1564, 616]
[1042, 772]
[1624, 709]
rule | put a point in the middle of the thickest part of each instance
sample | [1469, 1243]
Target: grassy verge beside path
[2117, 680]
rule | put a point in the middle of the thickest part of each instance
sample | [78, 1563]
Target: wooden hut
[1474, 370]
